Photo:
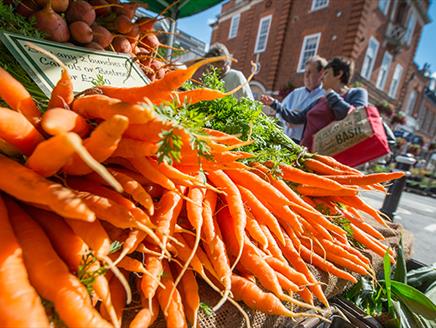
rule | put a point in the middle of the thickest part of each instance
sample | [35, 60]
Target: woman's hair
[344, 65]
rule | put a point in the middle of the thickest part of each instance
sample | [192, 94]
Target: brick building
[381, 36]
[426, 115]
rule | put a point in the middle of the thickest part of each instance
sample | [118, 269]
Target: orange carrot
[369, 179]
[102, 107]
[259, 187]
[235, 207]
[360, 223]
[101, 144]
[72, 249]
[62, 94]
[209, 205]
[261, 213]
[369, 243]
[293, 174]
[194, 211]
[175, 316]
[297, 262]
[359, 204]
[224, 138]
[255, 231]
[190, 297]
[248, 292]
[18, 131]
[131, 186]
[50, 155]
[119, 299]
[50, 276]
[59, 120]
[273, 246]
[146, 317]
[109, 211]
[17, 296]
[167, 212]
[324, 265]
[130, 148]
[330, 161]
[149, 284]
[335, 259]
[160, 90]
[33, 188]
[18, 98]
[149, 131]
[144, 167]
[321, 168]
[286, 270]
[319, 192]
[287, 284]
[196, 95]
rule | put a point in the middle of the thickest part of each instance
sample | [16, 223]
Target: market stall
[165, 202]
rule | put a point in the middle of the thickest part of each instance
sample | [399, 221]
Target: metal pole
[173, 24]
[392, 199]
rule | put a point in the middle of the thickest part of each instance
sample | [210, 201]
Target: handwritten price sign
[85, 65]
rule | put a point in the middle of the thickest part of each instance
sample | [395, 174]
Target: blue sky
[197, 26]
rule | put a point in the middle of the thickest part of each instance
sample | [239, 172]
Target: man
[232, 78]
[300, 98]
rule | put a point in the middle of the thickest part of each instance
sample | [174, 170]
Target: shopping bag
[357, 139]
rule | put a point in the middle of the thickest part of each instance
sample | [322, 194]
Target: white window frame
[234, 27]
[411, 19]
[381, 80]
[368, 76]
[301, 66]
[393, 89]
[314, 6]
[411, 102]
[386, 9]
[256, 47]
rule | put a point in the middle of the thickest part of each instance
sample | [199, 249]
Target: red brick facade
[344, 26]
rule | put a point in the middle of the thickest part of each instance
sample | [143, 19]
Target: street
[418, 215]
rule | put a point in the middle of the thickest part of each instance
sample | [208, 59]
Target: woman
[339, 99]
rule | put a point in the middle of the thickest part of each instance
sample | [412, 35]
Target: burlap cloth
[229, 317]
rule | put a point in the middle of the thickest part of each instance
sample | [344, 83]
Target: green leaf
[400, 273]
[406, 319]
[416, 301]
[115, 246]
[206, 308]
[387, 273]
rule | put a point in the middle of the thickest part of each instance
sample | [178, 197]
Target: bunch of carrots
[88, 212]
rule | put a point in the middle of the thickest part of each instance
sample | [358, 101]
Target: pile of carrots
[87, 212]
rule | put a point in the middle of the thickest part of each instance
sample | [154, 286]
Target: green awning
[183, 8]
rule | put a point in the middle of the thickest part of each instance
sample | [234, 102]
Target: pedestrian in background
[300, 98]
[232, 78]
[339, 99]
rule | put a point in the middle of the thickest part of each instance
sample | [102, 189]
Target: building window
[421, 115]
[411, 102]
[234, 25]
[370, 57]
[262, 34]
[384, 70]
[319, 4]
[395, 81]
[309, 49]
[410, 26]
[383, 5]
[428, 122]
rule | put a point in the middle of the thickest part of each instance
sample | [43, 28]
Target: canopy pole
[173, 24]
